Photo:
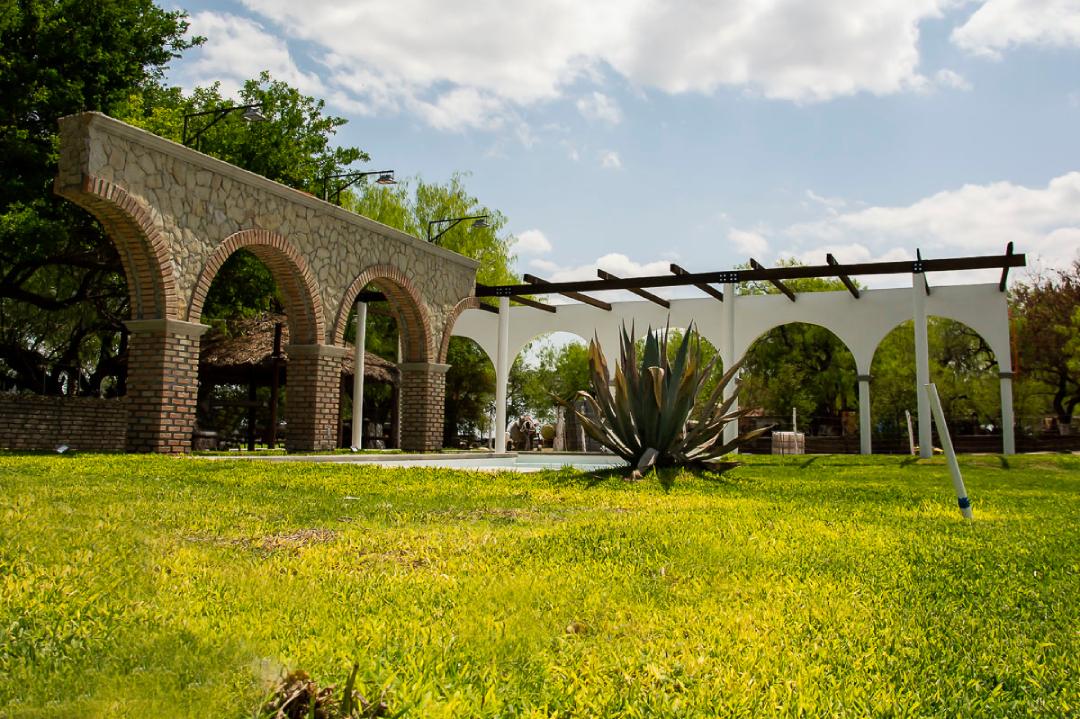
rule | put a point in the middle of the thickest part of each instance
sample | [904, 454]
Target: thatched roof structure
[246, 352]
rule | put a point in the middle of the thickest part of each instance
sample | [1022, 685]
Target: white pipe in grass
[910, 432]
[358, 377]
[946, 442]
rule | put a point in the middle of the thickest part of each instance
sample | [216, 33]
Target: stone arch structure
[176, 215]
[294, 279]
[414, 325]
[143, 254]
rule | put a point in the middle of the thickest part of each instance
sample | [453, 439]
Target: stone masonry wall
[162, 385]
[196, 202]
[423, 397]
[312, 399]
[86, 424]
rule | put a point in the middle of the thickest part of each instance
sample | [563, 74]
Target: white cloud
[1000, 24]
[486, 59]
[748, 243]
[1043, 222]
[238, 49]
[543, 265]
[462, 108]
[610, 160]
[531, 242]
[599, 106]
[952, 80]
[832, 205]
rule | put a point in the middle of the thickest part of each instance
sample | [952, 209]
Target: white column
[358, 376]
[864, 414]
[1008, 435]
[922, 364]
[731, 431]
[502, 373]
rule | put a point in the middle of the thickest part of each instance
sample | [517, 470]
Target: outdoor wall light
[386, 177]
[250, 114]
[481, 221]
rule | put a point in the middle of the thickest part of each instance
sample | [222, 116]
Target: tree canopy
[62, 296]
[1046, 314]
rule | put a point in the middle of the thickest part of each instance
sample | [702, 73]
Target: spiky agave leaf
[646, 414]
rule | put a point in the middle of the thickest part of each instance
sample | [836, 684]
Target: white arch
[860, 324]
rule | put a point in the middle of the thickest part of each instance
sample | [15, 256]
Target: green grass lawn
[827, 586]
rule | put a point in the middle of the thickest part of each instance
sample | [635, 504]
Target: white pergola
[860, 319]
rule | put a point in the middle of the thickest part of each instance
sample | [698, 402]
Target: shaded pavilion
[253, 352]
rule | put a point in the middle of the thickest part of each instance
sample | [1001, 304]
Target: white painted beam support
[358, 376]
[922, 365]
[865, 422]
[731, 431]
[1008, 432]
[502, 373]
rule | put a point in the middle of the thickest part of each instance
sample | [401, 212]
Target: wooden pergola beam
[754, 264]
[843, 278]
[1005, 269]
[901, 267]
[707, 289]
[920, 269]
[572, 294]
[534, 304]
[605, 275]
[519, 300]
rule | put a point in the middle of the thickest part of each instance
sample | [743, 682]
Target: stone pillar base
[162, 384]
[423, 399]
[312, 397]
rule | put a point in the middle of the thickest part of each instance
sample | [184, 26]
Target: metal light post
[386, 177]
[251, 114]
[481, 221]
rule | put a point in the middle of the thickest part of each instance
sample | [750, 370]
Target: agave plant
[647, 419]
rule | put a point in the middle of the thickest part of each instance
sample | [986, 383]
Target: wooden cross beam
[600, 304]
[481, 288]
[534, 304]
[707, 289]
[1005, 269]
[754, 264]
[604, 275]
[920, 269]
[843, 278]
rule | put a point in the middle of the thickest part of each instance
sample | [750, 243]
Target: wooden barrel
[788, 443]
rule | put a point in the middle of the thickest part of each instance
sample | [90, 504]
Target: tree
[61, 296]
[412, 204]
[294, 146]
[540, 376]
[1046, 324]
[961, 365]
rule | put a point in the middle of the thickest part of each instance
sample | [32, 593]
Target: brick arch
[291, 272]
[469, 303]
[144, 253]
[414, 325]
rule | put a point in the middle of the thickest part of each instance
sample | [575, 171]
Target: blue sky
[628, 134]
